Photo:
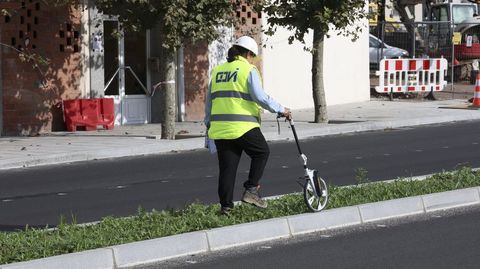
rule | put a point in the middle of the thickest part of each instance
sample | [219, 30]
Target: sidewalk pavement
[133, 140]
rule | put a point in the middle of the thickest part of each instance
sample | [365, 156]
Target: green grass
[38, 243]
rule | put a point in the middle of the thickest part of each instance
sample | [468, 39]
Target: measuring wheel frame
[315, 190]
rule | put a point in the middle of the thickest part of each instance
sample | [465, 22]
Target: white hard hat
[247, 43]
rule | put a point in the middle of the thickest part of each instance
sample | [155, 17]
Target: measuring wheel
[316, 197]
[315, 191]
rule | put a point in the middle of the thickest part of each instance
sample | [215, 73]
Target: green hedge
[38, 243]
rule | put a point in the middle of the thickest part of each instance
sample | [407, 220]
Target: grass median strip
[67, 238]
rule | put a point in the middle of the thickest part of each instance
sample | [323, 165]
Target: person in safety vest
[232, 116]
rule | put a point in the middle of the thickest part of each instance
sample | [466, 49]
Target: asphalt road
[447, 239]
[88, 191]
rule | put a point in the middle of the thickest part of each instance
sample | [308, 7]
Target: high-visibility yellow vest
[233, 110]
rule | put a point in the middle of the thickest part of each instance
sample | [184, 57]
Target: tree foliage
[302, 16]
[181, 21]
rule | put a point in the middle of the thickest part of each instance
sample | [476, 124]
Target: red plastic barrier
[107, 112]
[89, 113]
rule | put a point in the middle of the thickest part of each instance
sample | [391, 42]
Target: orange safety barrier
[89, 113]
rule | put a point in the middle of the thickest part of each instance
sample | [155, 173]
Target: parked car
[379, 50]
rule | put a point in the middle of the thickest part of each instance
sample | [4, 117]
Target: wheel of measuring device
[314, 201]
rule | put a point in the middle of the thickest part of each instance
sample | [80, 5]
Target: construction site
[425, 29]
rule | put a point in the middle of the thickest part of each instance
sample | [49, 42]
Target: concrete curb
[156, 250]
[324, 220]
[94, 259]
[149, 251]
[391, 209]
[446, 200]
[247, 233]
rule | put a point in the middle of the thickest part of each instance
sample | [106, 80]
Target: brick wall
[196, 80]
[30, 93]
[250, 24]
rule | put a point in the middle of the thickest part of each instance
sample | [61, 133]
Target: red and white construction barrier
[411, 75]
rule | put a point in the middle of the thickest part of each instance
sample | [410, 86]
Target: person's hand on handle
[287, 113]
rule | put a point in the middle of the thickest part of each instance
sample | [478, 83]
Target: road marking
[358, 157]
[419, 150]
[387, 154]
[445, 147]
[284, 166]
[381, 225]
[192, 262]
[61, 194]
[120, 187]
[7, 200]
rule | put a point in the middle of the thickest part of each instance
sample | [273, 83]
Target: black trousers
[229, 152]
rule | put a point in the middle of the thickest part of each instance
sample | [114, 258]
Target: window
[461, 13]
[374, 43]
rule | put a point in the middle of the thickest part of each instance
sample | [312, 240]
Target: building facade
[31, 89]
[50, 54]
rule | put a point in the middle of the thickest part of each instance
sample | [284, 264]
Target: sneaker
[251, 196]
[225, 210]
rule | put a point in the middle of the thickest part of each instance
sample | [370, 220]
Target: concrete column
[85, 48]
[154, 69]
[95, 44]
[180, 81]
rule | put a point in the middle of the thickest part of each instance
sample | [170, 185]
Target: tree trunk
[320, 104]
[408, 23]
[168, 103]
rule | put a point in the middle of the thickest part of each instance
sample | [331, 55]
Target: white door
[125, 67]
